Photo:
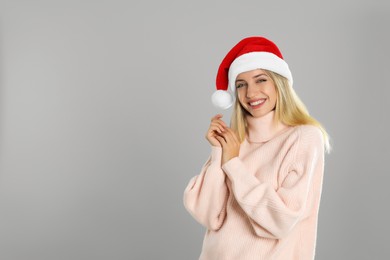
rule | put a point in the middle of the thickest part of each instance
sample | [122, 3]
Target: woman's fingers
[217, 119]
[219, 131]
[216, 126]
[220, 125]
[233, 135]
[221, 140]
[217, 116]
[229, 143]
[226, 134]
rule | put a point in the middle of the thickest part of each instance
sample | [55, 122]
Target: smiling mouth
[257, 102]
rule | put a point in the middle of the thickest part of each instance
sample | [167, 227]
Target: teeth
[257, 102]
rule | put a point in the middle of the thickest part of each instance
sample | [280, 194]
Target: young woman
[258, 194]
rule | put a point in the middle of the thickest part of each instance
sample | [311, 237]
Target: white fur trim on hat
[258, 60]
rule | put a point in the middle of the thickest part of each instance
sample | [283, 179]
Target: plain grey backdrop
[104, 106]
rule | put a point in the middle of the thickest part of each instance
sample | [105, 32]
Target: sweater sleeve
[273, 213]
[206, 194]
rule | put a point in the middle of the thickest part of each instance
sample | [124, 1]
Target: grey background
[104, 106]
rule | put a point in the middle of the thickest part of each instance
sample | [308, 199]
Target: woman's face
[256, 92]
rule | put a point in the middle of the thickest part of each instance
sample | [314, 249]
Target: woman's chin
[258, 114]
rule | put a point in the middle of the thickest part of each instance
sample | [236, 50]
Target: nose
[251, 91]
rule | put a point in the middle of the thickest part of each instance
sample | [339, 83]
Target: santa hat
[249, 54]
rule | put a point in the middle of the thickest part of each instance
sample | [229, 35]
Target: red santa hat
[249, 54]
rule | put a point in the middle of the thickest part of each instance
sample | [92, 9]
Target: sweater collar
[263, 129]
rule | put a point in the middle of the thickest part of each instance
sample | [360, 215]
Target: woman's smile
[254, 104]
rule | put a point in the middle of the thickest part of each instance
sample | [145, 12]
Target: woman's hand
[230, 144]
[217, 127]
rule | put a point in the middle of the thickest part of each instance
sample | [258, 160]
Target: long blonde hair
[289, 110]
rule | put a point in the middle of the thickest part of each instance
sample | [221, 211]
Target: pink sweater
[264, 203]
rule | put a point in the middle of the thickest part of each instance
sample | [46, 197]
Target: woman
[258, 194]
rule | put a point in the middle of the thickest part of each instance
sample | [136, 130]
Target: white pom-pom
[222, 99]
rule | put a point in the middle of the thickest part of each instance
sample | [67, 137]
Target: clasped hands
[219, 134]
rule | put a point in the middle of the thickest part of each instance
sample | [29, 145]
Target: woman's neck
[264, 128]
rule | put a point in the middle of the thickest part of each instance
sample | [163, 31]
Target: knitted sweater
[264, 203]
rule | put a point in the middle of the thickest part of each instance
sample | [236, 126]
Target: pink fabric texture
[264, 203]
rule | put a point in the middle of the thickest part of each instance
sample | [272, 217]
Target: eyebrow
[256, 76]
[261, 74]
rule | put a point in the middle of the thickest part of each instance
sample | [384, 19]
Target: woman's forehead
[251, 74]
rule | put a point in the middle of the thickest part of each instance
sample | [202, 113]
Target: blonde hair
[289, 110]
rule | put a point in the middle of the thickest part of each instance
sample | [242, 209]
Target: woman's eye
[261, 80]
[239, 85]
